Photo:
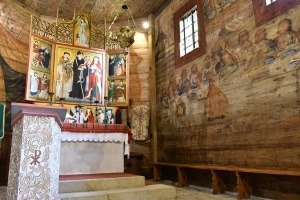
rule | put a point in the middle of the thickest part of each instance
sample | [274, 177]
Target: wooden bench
[218, 186]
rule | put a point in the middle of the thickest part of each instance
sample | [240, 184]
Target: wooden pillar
[35, 152]
[151, 45]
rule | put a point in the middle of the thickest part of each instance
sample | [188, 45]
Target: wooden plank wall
[249, 118]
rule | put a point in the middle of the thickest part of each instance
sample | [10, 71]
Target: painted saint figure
[80, 73]
[34, 83]
[64, 77]
[121, 92]
[83, 24]
[43, 86]
[94, 80]
[88, 116]
[112, 91]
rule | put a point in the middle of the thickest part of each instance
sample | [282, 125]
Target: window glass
[189, 32]
[265, 10]
[268, 2]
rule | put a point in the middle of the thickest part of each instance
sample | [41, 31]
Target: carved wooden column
[35, 151]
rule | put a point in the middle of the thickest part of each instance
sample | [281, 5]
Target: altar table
[93, 153]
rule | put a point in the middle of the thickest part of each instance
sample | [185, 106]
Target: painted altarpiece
[79, 68]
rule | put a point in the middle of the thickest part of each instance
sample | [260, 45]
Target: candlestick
[50, 95]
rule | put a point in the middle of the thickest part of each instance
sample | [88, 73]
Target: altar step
[118, 188]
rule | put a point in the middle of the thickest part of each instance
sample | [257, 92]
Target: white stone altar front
[93, 152]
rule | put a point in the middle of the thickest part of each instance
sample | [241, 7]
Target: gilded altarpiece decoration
[80, 59]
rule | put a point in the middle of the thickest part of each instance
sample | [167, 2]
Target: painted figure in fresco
[195, 82]
[160, 43]
[43, 86]
[164, 99]
[287, 38]
[210, 10]
[222, 52]
[94, 80]
[264, 48]
[64, 77]
[217, 102]
[88, 116]
[121, 92]
[206, 70]
[34, 83]
[83, 24]
[195, 77]
[172, 89]
[244, 50]
[183, 84]
[223, 4]
[80, 73]
[111, 91]
[229, 66]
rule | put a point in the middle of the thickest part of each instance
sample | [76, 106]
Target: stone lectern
[35, 151]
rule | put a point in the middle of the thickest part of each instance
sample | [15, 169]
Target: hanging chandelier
[125, 36]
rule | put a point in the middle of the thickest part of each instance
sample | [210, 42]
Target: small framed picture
[39, 69]
[117, 64]
[117, 91]
[38, 85]
[41, 52]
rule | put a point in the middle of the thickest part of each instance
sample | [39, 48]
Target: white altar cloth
[93, 153]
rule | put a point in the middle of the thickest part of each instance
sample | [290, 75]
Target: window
[264, 10]
[189, 32]
[188, 27]
[268, 2]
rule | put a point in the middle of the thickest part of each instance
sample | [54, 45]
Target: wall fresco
[231, 96]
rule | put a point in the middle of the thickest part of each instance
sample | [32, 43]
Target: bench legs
[218, 186]
[217, 183]
[182, 177]
[243, 188]
[157, 173]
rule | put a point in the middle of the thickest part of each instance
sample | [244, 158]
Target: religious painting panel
[90, 113]
[78, 75]
[117, 91]
[39, 69]
[82, 30]
[117, 63]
